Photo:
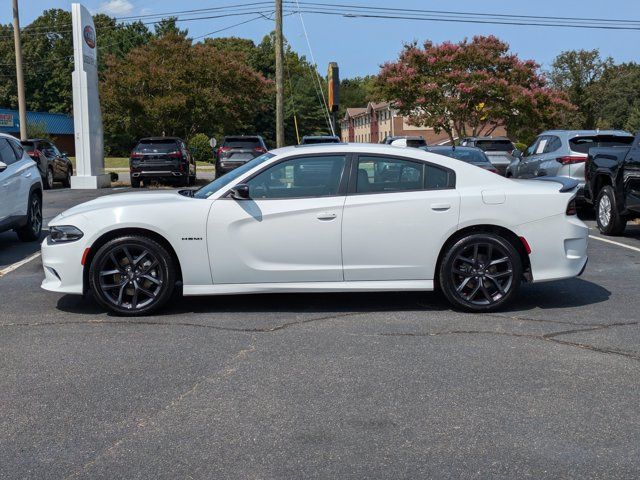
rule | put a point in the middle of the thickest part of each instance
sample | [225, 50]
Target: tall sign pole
[87, 118]
[279, 76]
[22, 108]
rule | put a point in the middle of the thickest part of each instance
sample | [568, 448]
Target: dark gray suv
[237, 150]
[54, 166]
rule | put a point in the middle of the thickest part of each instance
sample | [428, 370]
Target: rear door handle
[27, 175]
[440, 207]
[326, 216]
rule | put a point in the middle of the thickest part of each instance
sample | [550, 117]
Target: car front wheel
[480, 272]
[609, 221]
[132, 275]
[48, 179]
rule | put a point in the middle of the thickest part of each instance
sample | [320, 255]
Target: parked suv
[54, 165]
[20, 191]
[237, 150]
[563, 153]
[498, 149]
[162, 158]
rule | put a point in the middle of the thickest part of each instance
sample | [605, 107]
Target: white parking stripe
[615, 243]
[11, 268]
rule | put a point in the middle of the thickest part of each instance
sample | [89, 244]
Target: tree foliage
[470, 88]
[172, 87]
[578, 73]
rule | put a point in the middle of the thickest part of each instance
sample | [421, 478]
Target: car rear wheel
[31, 231]
[132, 275]
[48, 179]
[66, 183]
[135, 182]
[609, 221]
[480, 272]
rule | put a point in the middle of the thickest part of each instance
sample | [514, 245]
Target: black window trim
[342, 185]
[353, 176]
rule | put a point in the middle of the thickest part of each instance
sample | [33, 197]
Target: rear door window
[495, 145]
[583, 144]
[553, 144]
[7, 155]
[378, 174]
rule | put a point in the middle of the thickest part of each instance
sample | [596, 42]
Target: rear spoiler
[568, 184]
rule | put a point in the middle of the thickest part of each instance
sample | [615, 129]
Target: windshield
[218, 183]
[470, 155]
[495, 145]
[240, 142]
[583, 144]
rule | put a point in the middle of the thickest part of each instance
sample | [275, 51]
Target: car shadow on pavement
[563, 294]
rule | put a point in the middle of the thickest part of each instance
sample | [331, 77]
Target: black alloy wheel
[481, 272]
[132, 275]
[31, 231]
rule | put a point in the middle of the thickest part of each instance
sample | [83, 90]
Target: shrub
[200, 148]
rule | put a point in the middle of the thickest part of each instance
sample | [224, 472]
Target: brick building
[371, 124]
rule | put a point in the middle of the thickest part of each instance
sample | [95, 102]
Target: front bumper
[62, 265]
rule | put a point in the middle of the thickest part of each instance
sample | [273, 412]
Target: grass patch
[123, 162]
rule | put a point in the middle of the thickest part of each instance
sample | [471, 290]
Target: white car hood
[122, 200]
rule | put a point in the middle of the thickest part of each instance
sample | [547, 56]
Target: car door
[529, 162]
[14, 200]
[548, 165]
[631, 176]
[60, 165]
[288, 230]
[397, 215]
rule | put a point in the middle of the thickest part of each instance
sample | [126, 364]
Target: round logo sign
[89, 36]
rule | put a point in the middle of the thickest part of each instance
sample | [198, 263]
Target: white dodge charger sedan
[322, 218]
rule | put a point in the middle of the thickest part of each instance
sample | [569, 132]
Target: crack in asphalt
[228, 368]
[548, 337]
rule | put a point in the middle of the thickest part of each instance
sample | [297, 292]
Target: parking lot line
[16, 265]
[615, 243]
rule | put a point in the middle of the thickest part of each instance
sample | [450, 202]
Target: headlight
[64, 233]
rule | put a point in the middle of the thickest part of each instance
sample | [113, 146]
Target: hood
[123, 200]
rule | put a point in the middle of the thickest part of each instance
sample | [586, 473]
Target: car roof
[587, 132]
[487, 138]
[379, 148]
[241, 136]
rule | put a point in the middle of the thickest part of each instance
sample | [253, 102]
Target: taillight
[260, 149]
[492, 170]
[570, 159]
[136, 155]
[571, 207]
[175, 154]
[35, 154]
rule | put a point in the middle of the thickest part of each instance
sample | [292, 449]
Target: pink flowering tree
[471, 88]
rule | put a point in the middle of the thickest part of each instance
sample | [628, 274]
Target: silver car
[562, 153]
[498, 150]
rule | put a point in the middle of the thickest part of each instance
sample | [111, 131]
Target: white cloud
[116, 7]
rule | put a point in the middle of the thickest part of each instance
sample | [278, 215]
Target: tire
[480, 272]
[31, 231]
[135, 183]
[608, 217]
[47, 181]
[137, 290]
[66, 183]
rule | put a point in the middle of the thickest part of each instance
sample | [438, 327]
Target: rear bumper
[158, 173]
[562, 254]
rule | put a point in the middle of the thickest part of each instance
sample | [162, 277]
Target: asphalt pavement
[367, 385]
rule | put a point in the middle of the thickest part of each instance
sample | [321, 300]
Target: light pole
[22, 109]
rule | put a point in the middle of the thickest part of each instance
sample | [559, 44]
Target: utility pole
[22, 109]
[279, 76]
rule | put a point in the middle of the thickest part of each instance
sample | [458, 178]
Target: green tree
[619, 96]
[145, 94]
[200, 147]
[470, 88]
[578, 74]
[356, 92]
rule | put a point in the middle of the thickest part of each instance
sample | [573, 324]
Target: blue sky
[361, 45]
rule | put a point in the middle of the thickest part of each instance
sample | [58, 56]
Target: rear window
[156, 146]
[416, 142]
[314, 140]
[495, 145]
[468, 156]
[28, 145]
[583, 144]
[242, 142]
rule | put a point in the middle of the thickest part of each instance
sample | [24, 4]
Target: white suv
[20, 191]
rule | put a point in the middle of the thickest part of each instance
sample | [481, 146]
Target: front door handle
[326, 216]
[27, 175]
[440, 207]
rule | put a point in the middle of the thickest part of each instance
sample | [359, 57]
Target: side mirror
[517, 153]
[64, 154]
[240, 192]
[213, 142]
[3, 166]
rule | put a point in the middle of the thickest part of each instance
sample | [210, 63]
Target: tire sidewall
[446, 284]
[166, 263]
